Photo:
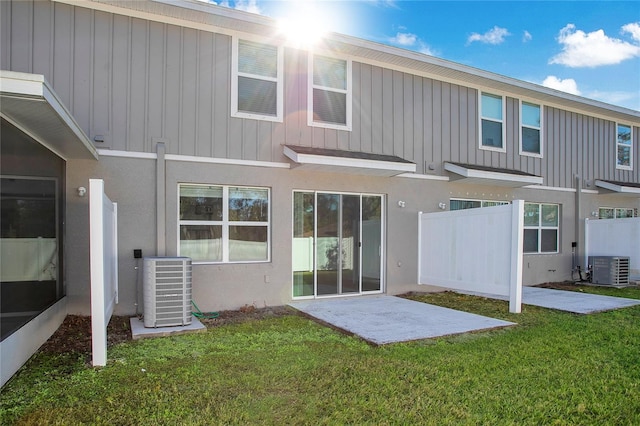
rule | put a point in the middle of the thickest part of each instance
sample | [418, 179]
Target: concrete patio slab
[387, 319]
[139, 331]
[569, 301]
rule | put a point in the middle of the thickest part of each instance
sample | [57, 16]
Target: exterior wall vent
[610, 270]
[167, 291]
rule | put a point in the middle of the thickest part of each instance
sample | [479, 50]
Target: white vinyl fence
[103, 221]
[477, 250]
[614, 237]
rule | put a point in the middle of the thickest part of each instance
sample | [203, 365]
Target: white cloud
[495, 35]
[245, 5]
[568, 85]
[404, 39]
[633, 29]
[580, 49]
[615, 98]
[526, 36]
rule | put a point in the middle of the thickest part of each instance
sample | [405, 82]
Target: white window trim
[615, 211]
[618, 166]
[235, 74]
[311, 86]
[502, 122]
[225, 223]
[541, 129]
[541, 227]
[481, 201]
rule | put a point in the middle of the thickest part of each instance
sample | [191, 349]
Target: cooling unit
[609, 270]
[167, 291]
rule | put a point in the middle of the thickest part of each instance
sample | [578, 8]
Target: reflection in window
[541, 228]
[491, 132]
[531, 125]
[624, 147]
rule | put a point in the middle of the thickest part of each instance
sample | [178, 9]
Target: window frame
[348, 92]
[540, 227]
[236, 74]
[615, 211]
[226, 223]
[502, 122]
[630, 146]
[482, 203]
[540, 129]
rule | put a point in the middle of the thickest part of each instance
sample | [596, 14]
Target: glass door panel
[303, 241]
[350, 244]
[371, 242]
[327, 243]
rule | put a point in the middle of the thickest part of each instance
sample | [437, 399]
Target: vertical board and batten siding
[136, 82]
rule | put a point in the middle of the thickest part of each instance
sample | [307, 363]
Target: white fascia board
[356, 163]
[21, 84]
[496, 176]
[424, 177]
[621, 189]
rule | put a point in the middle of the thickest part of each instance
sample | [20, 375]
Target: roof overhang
[29, 103]
[338, 161]
[487, 176]
[621, 188]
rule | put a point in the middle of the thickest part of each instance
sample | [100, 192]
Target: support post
[517, 237]
[161, 218]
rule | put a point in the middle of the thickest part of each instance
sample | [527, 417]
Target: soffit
[627, 189]
[27, 102]
[479, 175]
[338, 161]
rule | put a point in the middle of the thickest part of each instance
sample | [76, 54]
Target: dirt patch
[564, 285]
[74, 335]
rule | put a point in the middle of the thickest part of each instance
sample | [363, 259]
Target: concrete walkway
[569, 301]
[383, 319]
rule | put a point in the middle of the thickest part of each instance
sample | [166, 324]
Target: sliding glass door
[337, 243]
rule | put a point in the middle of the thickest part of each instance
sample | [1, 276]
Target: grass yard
[554, 368]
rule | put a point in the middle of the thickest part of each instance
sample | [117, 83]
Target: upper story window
[624, 147]
[257, 81]
[615, 212]
[492, 122]
[329, 92]
[224, 223]
[463, 204]
[530, 129]
[541, 228]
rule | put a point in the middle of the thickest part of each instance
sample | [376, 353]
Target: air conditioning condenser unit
[609, 270]
[167, 291]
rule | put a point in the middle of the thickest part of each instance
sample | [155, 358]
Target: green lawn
[554, 368]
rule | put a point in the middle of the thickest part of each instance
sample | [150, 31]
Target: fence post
[420, 248]
[517, 237]
[96, 250]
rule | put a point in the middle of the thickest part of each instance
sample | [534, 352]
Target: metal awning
[480, 175]
[334, 160]
[30, 104]
[628, 189]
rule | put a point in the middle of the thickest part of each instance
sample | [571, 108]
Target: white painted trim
[229, 161]
[630, 166]
[482, 174]
[325, 160]
[502, 121]
[540, 129]
[421, 176]
[551, 188]
[192, 159]
[621, 189]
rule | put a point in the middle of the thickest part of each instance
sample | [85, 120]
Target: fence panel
[103, 220]
[614, 237]
[477, 250]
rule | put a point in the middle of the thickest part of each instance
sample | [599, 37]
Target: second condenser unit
[609, 270]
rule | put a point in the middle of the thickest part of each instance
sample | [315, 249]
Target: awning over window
[480, 175]
[629, 189]
[334, 160]
[28, 102]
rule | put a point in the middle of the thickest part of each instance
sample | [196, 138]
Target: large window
[541, 228]
[224, 223]
[329, 92]
[615, 212]
[463, 204]
[257, 83]
[530, 129]
[491, 122]
[624, 147]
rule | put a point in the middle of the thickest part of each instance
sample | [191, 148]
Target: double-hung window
[541, 228]
[329, 92]
[257, 81]
[624, 147]
[615, 212]
[530, 129]
[492, 131]
[224, 223]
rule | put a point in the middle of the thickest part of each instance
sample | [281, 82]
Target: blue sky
[588, 48]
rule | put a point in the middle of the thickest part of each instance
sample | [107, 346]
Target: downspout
[578, 207]
[161, 246]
